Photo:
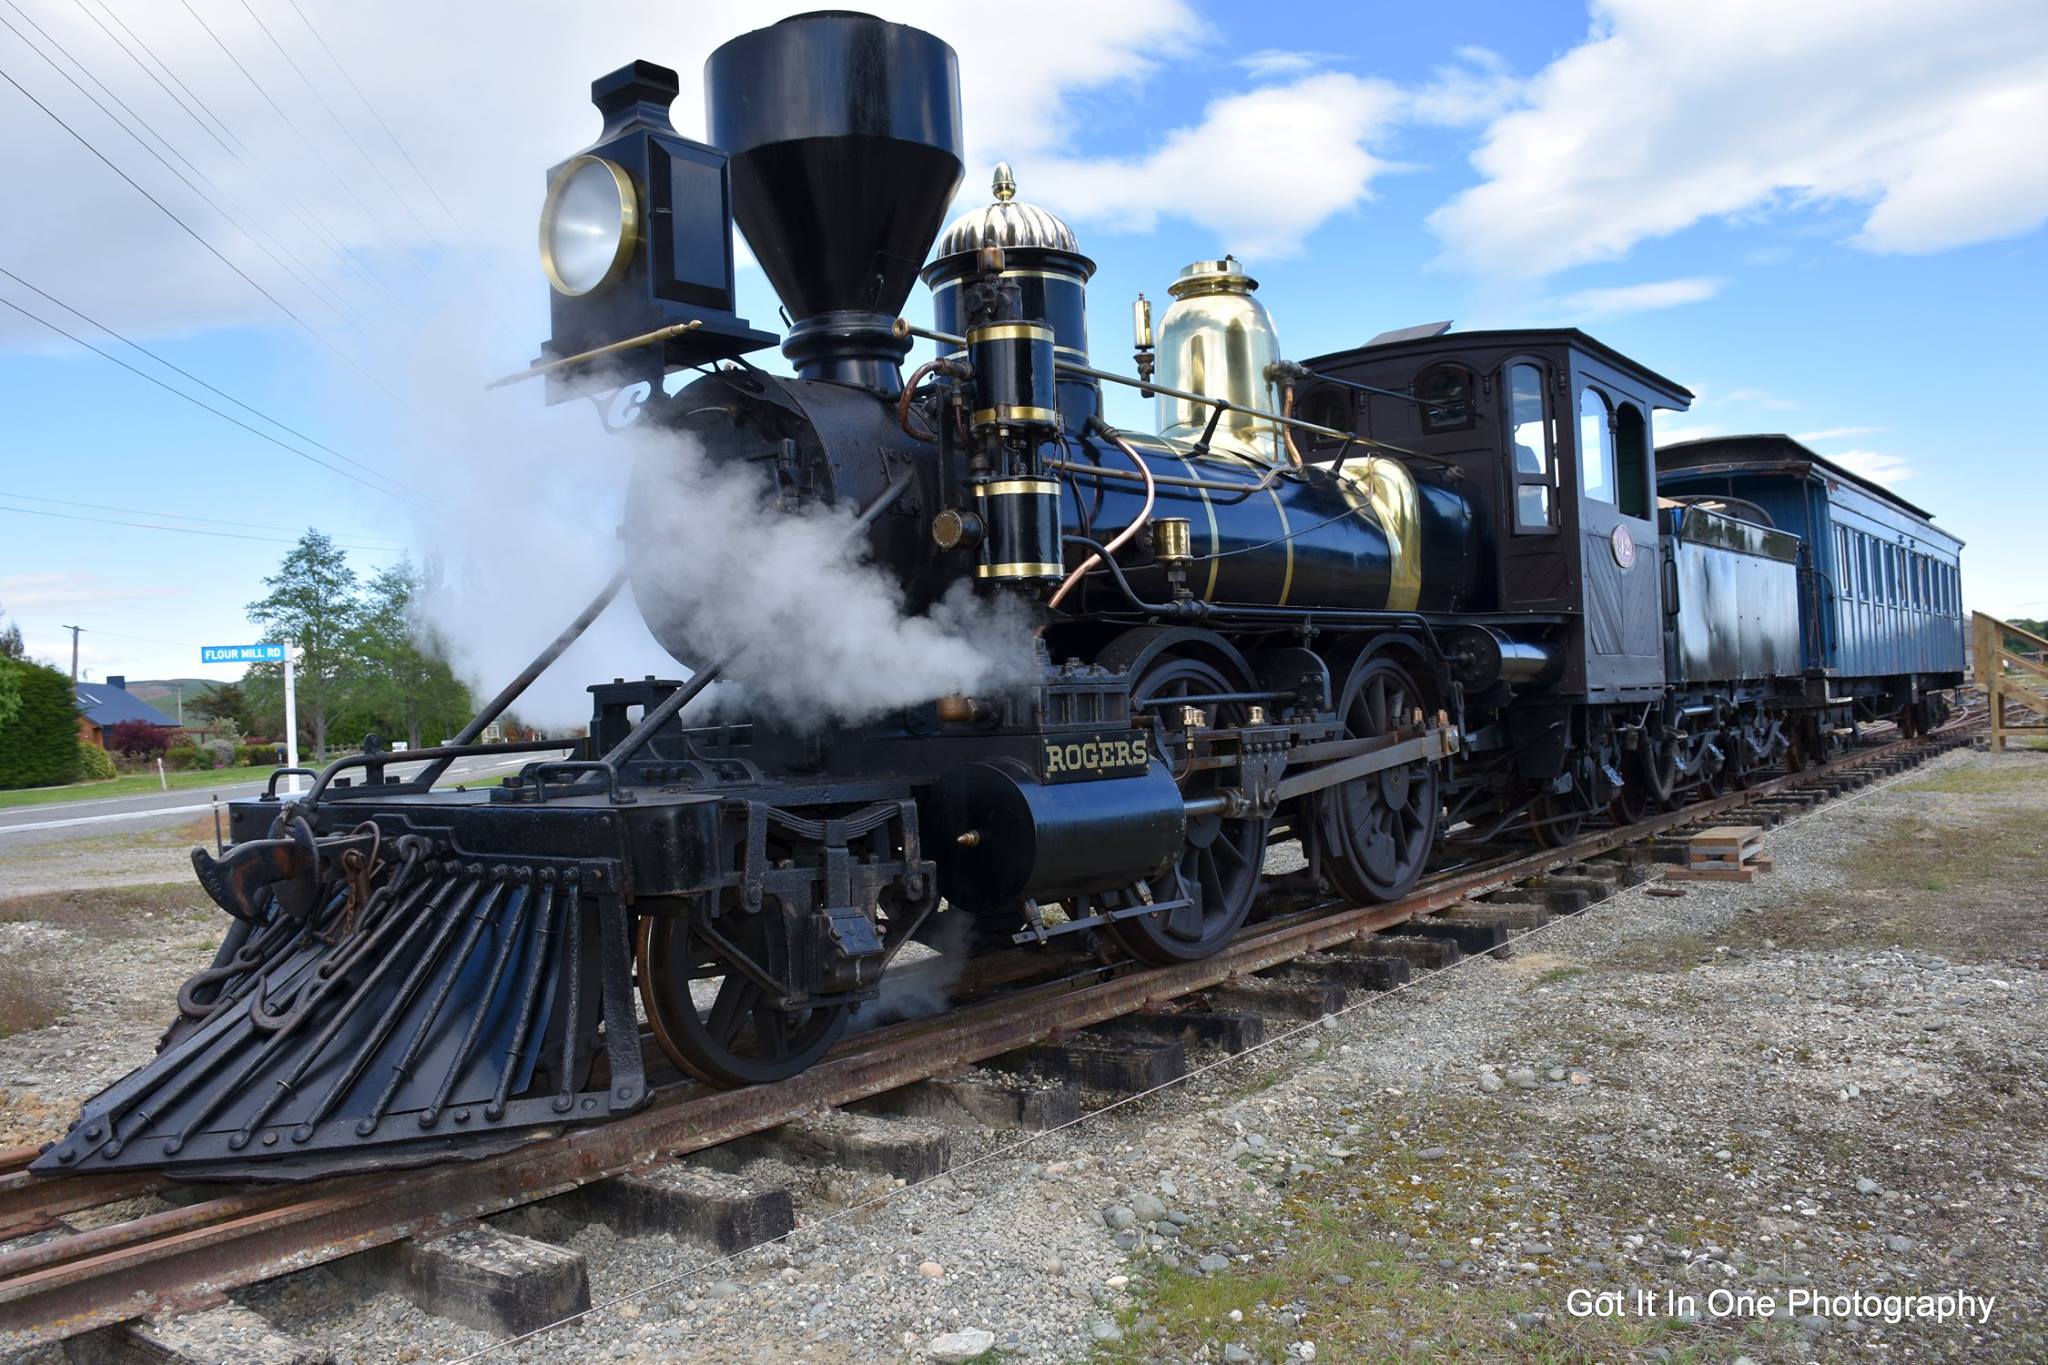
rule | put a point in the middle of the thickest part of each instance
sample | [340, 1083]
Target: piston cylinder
[999, 835]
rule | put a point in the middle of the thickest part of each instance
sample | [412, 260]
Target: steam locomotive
[1419, 595]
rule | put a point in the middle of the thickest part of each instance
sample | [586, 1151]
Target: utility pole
[74, 652]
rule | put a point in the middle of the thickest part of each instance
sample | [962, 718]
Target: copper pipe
[1287, 423]
[909, 392]
[1122, 537]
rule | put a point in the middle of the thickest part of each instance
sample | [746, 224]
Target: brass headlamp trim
[629, 223]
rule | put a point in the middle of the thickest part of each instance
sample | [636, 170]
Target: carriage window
[1844, 582]
[1631, 461]
[1596, 446]
[1446, 394]
[1529, 434]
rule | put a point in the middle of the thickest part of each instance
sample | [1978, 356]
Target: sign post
[267, 654]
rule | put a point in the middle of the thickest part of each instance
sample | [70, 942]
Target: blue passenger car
[1881, 613]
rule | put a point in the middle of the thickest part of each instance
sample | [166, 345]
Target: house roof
[105, 705]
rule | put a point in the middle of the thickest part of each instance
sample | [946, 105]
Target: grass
[1352, 1254]
[105, 911]
[135, 784]
[1993, 779]
[25, 1001]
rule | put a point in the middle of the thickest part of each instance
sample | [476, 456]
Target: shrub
[220, 753]
[256, 755]
[95, 764]
[187, 758]
[39, 746]
[138, 739]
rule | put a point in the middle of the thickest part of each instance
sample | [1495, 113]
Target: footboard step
[227, 1335]
[981, 1097]
[1230, 1031]
[1725, 853]
[480, 1277]
[905, 1148]
[712, 1208]
[1098, 1062]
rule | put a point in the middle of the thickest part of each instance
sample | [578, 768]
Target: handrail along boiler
[1410, 595]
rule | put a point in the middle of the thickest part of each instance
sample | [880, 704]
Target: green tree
[11, 652]
[403, 683]
[39, 746]
[311, 605]
[226, 702]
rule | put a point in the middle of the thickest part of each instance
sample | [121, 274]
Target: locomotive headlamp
[589, 225]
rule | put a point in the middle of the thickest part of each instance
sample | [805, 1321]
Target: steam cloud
[524, 529]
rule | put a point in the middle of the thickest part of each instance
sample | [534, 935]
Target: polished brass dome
[1008, 223]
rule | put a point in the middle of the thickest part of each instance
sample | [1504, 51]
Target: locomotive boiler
[1358, 603]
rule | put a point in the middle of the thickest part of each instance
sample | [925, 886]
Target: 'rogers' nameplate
[1112, 753]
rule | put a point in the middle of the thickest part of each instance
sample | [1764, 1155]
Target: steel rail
[185, 1257]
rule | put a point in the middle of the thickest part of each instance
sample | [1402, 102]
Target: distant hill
[162, 693]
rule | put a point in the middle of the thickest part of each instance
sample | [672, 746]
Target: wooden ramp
[2012, 665]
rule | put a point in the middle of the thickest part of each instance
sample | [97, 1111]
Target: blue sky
[1826, 222]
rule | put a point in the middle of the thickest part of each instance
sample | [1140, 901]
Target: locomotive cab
[1548, 432]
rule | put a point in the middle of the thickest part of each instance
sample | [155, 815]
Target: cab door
[1620, 557]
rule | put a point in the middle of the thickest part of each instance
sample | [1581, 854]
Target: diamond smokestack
[844, 134]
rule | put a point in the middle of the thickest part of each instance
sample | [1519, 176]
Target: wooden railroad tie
[1725, 853]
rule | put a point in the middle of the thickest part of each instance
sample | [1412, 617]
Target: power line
[225, 417]
[394, 542]
[460, 226]
[183, 530]
[292, 62]
[326, 236]
[289, 121]
[191, 232]
[257, 412]
[304, 275]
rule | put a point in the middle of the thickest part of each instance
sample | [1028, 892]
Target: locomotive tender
[1420, 593]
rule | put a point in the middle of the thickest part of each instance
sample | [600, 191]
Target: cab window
[1529, 440]
[1446, 397]
[1631, 461]
[1596, 446]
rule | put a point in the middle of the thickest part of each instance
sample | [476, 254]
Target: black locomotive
[1383, 602]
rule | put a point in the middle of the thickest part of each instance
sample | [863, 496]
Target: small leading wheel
[1375, 833]
[1217, 876]
[711, 1018]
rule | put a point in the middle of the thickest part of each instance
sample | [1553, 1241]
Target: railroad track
[59, 1280]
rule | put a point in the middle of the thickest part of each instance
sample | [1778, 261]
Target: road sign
[241, 654]
[267, 654]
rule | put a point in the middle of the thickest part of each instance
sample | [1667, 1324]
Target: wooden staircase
[2012, 666]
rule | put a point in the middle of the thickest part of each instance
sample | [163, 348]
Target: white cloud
[1637, 298]
[26, 592]
[1836, 434]
[1270, 62]
[484, 101]
[1669, 430]
[1479, 89]
[1874, 465]
[1668, 114]
[1261, 169]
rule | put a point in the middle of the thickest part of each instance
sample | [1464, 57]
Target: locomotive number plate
[1112, 753]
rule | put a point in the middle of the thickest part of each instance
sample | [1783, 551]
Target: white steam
[823, 634]
[522, 529]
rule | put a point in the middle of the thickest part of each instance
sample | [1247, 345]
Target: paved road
[62, 819]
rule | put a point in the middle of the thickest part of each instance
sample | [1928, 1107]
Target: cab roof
[1667, 392]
